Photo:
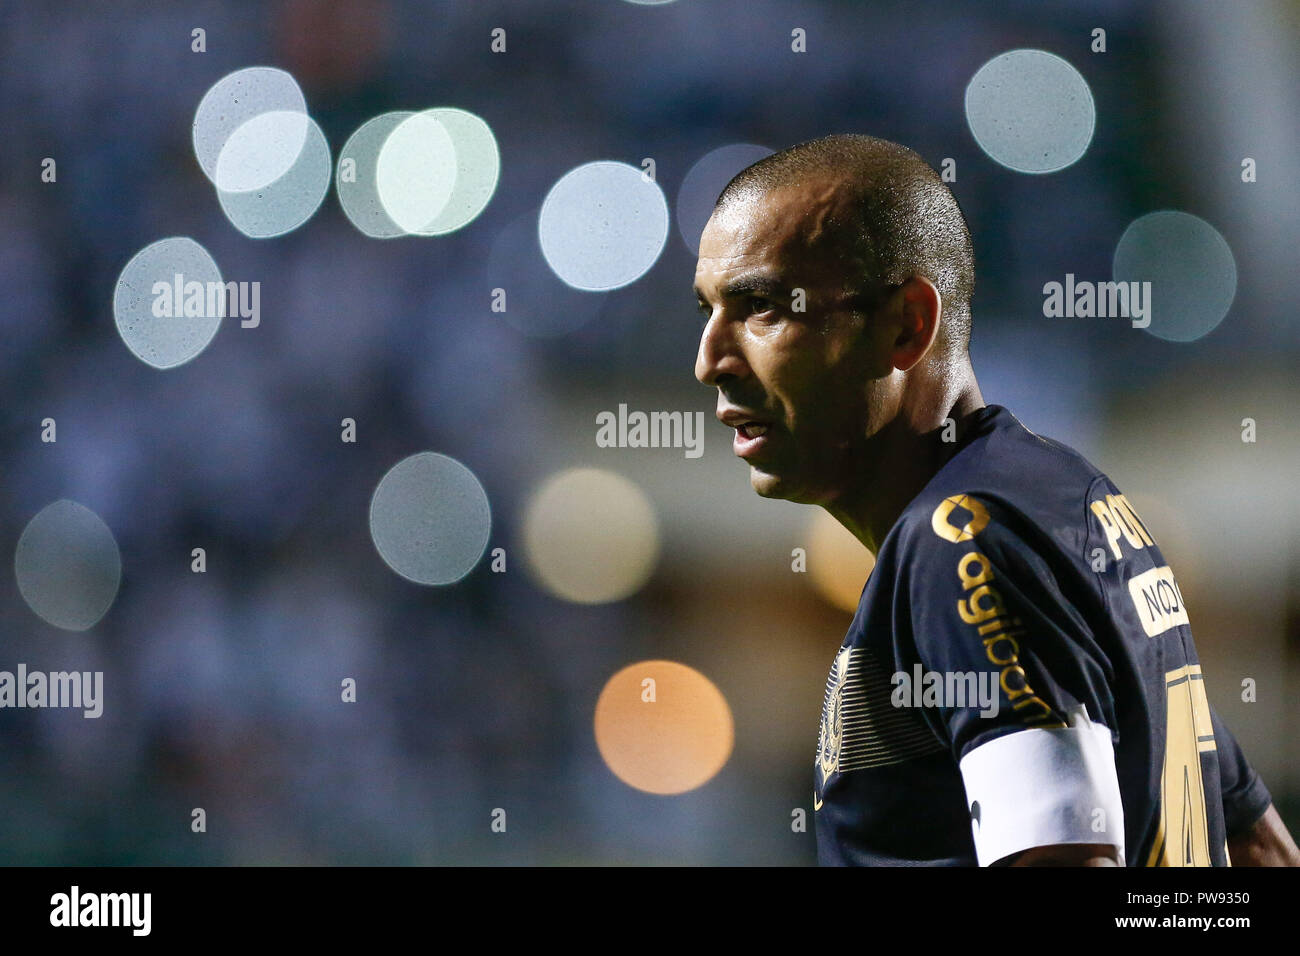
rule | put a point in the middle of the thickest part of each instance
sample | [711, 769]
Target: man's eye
[757, 304]
[704, 310]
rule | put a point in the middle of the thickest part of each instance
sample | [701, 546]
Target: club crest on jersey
[942, 519]
[832, 731]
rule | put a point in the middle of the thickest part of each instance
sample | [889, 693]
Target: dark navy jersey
[1020, 672]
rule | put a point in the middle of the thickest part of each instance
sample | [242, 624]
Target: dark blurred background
[222, 688]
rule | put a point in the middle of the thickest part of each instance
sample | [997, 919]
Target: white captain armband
[1044, 787]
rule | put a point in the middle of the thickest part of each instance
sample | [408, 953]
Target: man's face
[804, 389]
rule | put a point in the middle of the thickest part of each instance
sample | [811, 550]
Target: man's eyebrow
[764, 285]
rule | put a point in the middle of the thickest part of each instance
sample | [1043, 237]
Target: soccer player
[1019, 684]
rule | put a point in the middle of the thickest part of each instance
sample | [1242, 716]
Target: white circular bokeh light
[356, 180]
[68, 565]
[602, 226]
[416, 171]
[436, 171]
[288, 202]
[147, 285]
[1030, 111]
[233, 101]
[1191, 269]
[267, 158]
[478, 166]
[430, 519]
[261, 150]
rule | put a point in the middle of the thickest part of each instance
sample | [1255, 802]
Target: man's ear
[918, 310]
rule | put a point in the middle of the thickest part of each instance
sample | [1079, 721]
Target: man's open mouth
[751, 429]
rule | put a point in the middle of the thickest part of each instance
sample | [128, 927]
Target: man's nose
[719, 355]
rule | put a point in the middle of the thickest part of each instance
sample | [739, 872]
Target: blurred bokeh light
[68, 565]
[663, 727]
[169, 302]
[1031, 111]
[603, 225]
[1190, 267]
[591, 536]
[430, 519]
[356, 180]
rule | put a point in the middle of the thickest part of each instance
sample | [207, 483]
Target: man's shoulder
[1000, 454]
[1005, 483]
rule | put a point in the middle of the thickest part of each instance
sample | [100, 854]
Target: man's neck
[903, 457]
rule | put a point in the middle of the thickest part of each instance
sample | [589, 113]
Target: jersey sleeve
[1017, 687]
[1245, 798]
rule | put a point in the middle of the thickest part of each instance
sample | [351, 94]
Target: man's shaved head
[887, 216]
